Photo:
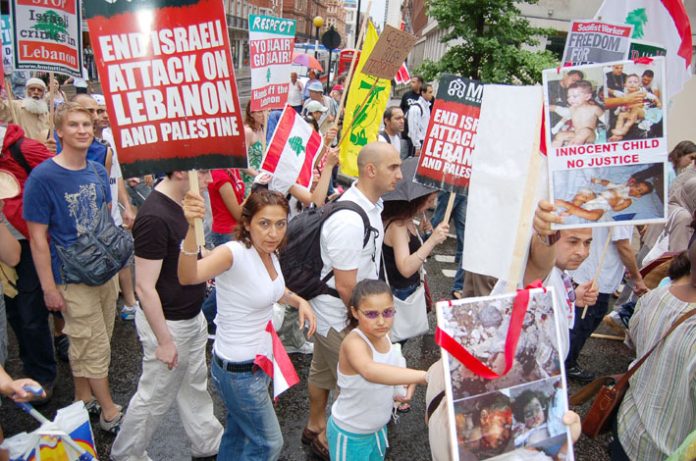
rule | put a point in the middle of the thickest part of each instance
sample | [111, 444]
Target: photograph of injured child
[481, 327]
[632, 97]
[522, 422]
[605, 195]
[597, 104]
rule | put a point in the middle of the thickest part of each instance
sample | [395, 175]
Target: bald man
[379, 169]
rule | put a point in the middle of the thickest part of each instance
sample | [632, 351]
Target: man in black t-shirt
[411, 97]
[172, 330]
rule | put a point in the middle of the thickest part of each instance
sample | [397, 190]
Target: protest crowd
[321, 265]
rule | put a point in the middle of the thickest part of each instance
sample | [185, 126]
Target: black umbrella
[407, 189]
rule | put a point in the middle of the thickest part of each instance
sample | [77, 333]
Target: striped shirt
[658, 411]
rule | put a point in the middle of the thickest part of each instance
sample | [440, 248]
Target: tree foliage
[492, 42]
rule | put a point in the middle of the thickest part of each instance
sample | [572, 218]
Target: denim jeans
[583, 328]
[252, 431]
[459, 216]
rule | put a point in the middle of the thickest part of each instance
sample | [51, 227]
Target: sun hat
[316, 86]
[9, 186]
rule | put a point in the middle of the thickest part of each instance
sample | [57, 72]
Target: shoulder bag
[98, 254]
[610, 391]
[411, 317]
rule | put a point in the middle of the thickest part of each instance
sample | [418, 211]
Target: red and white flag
[402, 77]
[276, 363]
[663, 22]
[291, 153]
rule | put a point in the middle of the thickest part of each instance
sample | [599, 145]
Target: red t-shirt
[223, 221]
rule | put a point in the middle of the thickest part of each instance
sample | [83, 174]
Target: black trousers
[28, 317]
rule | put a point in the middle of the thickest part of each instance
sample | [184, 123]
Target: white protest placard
[47, 35]
[607, 143]
[7, 59]
[504, 380]
[591, 42]
[271, 42]
[506, 154]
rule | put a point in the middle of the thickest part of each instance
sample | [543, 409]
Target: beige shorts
[324, 368]
[89, 322]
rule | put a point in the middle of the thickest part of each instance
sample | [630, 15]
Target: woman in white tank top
[248, 281]
[369, 368]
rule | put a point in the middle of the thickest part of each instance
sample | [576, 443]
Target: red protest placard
[169, 83]
[445, 159]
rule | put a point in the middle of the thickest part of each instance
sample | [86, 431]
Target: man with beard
[31, 113]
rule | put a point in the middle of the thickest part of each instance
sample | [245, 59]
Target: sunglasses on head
[372, 315]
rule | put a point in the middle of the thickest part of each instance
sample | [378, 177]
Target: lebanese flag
[664, 22]
[276, 363]
[291, 153]
[402, 77]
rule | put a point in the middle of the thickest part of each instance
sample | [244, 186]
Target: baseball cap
[100, 99]
[316, 86]
[315, 106]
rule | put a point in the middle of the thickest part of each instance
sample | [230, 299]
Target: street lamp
[318, 22]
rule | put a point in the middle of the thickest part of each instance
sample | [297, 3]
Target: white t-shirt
[245, 297]
[341, 248]
[81, 82]
[393, 140]
[612, 269]
[295, 93]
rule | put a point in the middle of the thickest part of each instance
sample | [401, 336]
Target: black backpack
[404, 134]
[301, 261]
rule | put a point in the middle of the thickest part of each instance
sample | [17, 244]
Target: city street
[408, 439]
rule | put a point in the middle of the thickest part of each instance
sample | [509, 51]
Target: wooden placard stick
[519, 251]
[599, 268]
[609, 337]
[450, 206]
[353, 61]
[198, 223]
[51, 103]
[10, 101]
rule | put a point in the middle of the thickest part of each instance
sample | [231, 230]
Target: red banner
[168, 77]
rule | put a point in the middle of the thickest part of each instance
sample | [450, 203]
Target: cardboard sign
[389, 53]
[505, 396]
[445, 160]
[271, 42]
[47, 36]
[7, 54]
[607, 143]
[591, 42]
[169, 84]
[507, 173]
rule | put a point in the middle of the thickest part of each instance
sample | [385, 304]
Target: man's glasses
[372, 315]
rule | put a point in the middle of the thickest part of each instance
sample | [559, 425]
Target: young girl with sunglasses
[369, 368]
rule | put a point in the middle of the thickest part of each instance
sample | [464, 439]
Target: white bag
[411, 317]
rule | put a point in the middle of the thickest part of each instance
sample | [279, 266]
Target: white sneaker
[306, 348]
[128, 312]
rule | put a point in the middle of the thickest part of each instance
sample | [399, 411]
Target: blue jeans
[583, 328]
[252, 431]
[459, 216]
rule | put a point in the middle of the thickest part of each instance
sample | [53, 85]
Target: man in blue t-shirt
[62, 197]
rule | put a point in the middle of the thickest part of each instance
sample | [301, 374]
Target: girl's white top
[364, 407]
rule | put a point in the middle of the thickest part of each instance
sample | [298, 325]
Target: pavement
[408, 438]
